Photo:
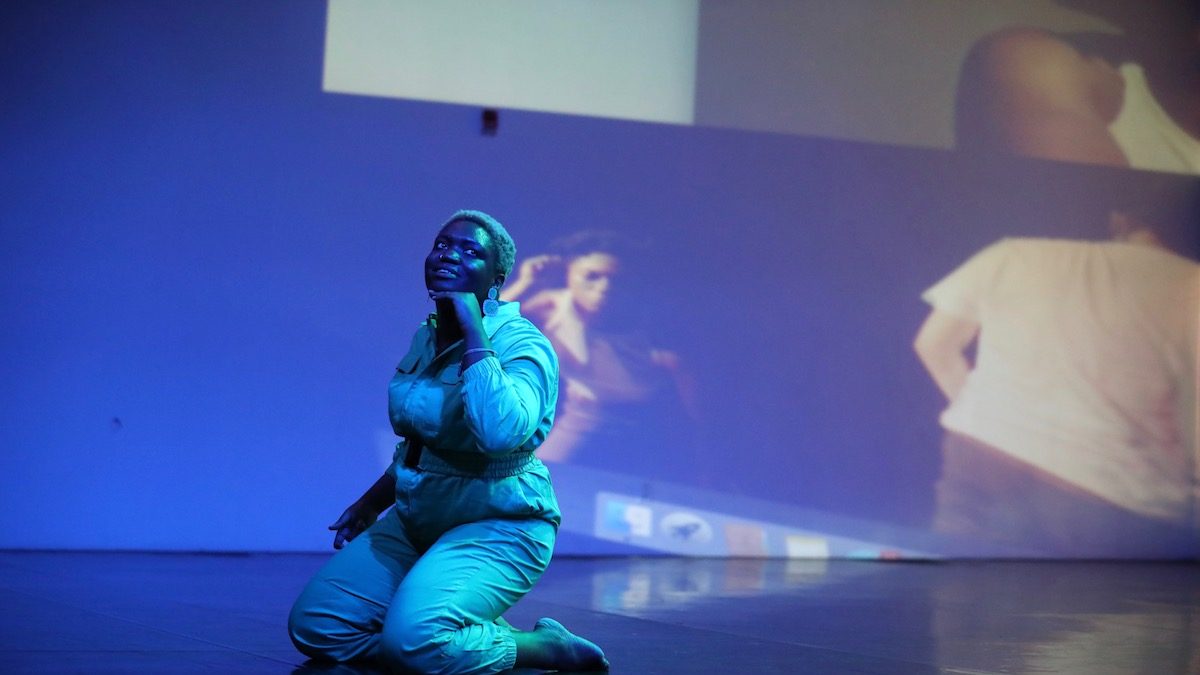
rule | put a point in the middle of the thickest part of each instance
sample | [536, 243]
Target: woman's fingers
[346, 534]
[341, 521]
[347, 527]
[347, 531]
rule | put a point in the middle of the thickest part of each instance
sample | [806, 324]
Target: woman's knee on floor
[323, 635]
[309, 631]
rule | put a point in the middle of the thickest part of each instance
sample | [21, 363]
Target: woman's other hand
[351, 523]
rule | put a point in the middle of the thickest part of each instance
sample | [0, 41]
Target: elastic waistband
[475, 465]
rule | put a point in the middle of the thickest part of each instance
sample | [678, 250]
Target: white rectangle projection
[625, 59]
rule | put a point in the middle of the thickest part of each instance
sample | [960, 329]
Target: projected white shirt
[1148, 136]
[1085, 365]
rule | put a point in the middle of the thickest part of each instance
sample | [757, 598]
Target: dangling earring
[491, 306]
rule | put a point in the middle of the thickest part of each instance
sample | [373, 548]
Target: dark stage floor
[172, 613]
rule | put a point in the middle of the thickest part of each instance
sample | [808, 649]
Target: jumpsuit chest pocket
[408, 364]
[428, 400]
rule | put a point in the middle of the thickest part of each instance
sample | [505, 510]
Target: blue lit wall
[210, 268]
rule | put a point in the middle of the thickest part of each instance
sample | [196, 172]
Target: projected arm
[527, 274]
[940, 344]
[685, 383]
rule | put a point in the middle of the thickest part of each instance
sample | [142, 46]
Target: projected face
[588, 280]
[461, 260]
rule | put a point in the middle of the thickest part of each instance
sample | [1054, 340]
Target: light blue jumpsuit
[473, 526]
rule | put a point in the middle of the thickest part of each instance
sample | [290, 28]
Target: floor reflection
[128, 612]
[1010, 617]
[1069, 617]
[655, 585]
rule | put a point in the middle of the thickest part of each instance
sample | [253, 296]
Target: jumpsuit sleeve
[507, 398]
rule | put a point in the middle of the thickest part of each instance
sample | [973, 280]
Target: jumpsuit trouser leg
[421, 588]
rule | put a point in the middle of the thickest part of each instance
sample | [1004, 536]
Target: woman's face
[588, 279]
[461, 259]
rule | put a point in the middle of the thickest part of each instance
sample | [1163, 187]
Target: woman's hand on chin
[464, 305]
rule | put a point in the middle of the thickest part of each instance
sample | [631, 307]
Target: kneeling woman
[474, 519]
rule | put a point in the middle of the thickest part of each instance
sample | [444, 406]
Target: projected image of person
[620, 393]
[1072, 430]
[473, 517]
[1131, 99]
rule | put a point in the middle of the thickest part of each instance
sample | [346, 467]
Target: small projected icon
[745, 539]
[686, 527]
[627, 518]
[803, 546]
